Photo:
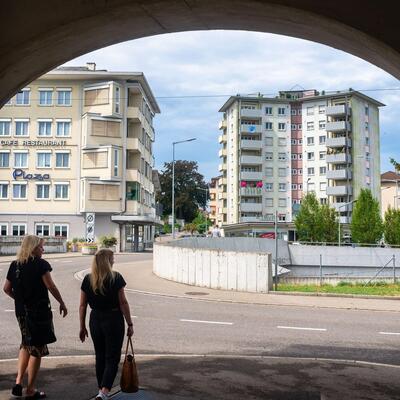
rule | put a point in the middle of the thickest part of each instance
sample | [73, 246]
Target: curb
[344, 295]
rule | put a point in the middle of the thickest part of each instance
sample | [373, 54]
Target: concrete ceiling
[36, 36]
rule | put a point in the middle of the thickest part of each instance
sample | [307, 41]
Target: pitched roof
[390, 176]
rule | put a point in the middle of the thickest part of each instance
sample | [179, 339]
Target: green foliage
[366, 221]
[75, 240]
[202, 222]
[315, 222]
[395, 164]
[167, 228]
[190, 227]
[391, 226]
[108, 241]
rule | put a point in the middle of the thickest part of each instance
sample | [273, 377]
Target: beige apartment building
[76, 157]
[390, 191]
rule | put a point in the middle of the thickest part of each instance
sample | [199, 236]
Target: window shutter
[99, 128]
[97, 192]
[113, 129]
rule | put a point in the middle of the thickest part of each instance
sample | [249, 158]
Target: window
[322, 155]
[311, 187]
[367, 141]
[321, 109]
[294, 186]
[310, 171]
[3, 229]
[269, 171]
[366, 110]
[282, 172]
[282, 202]
[322, 170]
[20, 160]
[3, 190]
[116, 162]
[293, 142]
[282, 187]
[310, 110]
[293, 111]
[269, 187]
[293, 127]
[281, 156]
[300, 156]
[367, 172]
[366, 126]
[322, 139]
[310, 125]
[294, 171]
[322, 186]
[300, 186]
[61, 230]
[18, 229]
[282, 141]
[21, 128]
[299, 112]
[321, 124]
[43, 160]
[132, 191]
[95, 97]
[42, 230]
[4, 160]
[268, 110]
[269, 156]
[294, 156]
[5, 127]
[62, 160]
[323, 200]
[117, 99]
[269, 202]
[299, 127]
[281, 217]
[310, 156]
[19, 191]
[22, 97]
[42, 191]
[45, 97]
[281, 126]
[281, 111]
[63, 128]
[104, 192]
[61, 191]
[44, 128]
[300, 141]
[269, 141]
[300, 172]
[63, 97]
[268, 126]
[310, 141]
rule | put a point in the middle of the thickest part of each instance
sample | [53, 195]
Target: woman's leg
[97, 334]
[23, 359]
[33, 369]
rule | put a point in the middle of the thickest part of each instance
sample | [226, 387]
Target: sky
[212, 65]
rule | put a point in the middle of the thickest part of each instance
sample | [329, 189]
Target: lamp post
[343, 205]
[173, 181]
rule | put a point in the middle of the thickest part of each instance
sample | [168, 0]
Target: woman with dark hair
[103, 290]
[28, 283]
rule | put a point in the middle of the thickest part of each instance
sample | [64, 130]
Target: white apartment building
[273, 150]
[76, 157]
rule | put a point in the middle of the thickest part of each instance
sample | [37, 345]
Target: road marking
[206, 322]
[134, 316]
[389, 333]
[68, 261]
[301, 328]
[8, 310]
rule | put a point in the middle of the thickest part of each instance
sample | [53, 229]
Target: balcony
[252, 160]
[222, 181]
[338, 142]
[251, 175]
[338, 126]
[251, 144]
[335, 111]
[222, 195]
[339, 174]
[339, 190]
[251, 219]
[344, 220]
[340, 158]
[250, 191]
[222, 167]
[252, 113]
[132, 175]
[251, 207]
[222, 124]
[133, 144]
[222, 138]
[342, 207]
[222, 153]
[250, 128]
[222, 210]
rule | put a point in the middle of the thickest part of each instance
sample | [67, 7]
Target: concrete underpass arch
[38, 36]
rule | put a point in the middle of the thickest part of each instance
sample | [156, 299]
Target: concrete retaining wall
[213, 268]
[9, 245]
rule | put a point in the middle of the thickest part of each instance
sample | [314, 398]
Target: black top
[29, 289]
[109, 300]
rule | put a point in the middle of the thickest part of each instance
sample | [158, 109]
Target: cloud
[231, 62]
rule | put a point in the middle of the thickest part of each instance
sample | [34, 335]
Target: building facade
[274, 150]
[76, 157]
[390, 191]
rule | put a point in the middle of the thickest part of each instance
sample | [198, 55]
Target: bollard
[320, 270]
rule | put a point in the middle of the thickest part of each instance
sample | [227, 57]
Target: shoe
[36, 395]
[17, 390]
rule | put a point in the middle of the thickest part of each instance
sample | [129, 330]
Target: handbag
[129, 376]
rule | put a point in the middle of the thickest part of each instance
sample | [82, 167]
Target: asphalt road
[165, 325]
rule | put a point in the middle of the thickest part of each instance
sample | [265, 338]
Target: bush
[344, 283]
[108, 241]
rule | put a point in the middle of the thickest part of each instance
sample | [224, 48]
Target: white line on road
[389, 333]
[134, 316]
[206, 322]
[68, 261]
[8, 310]
[301, 328]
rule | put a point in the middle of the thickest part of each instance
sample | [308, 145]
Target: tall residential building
[274, 150]
[76, 157]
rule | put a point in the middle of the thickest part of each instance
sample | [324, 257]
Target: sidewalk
[139, 277]
[48, 256]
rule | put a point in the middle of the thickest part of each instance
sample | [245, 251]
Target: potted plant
[108, 242]
[89, 248]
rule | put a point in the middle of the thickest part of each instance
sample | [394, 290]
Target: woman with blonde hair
[103, 290]
[28, 283]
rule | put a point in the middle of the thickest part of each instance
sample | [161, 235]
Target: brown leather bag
[129, 376]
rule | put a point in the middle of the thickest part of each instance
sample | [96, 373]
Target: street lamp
[343, 205]
[173, 182]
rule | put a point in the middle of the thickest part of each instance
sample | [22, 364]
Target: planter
[89, 249]
[112, 248]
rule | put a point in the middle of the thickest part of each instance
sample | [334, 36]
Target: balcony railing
[336, 110]
[250, 176]
[244, 112]
[340, 158]
[251, 160]
[222, 138]
[338, 142]
[339, 190]
[339, 174]
[250, 128]
[222, 167]
[250, 191]
[222, 153]
[251, 219]
[222, 124]
[337, 126]
[251, 144]
[342, 207]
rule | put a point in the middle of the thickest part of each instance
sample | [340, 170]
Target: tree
[395, 164]
[315, 222]
[391, 226]
[366, 221]
[202, 222]
[188, 196]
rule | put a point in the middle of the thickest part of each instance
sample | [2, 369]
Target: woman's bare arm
[83, 333]
[51, 286]
[8, 289]
[124, 306]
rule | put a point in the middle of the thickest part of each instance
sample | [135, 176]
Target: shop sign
[20, 173]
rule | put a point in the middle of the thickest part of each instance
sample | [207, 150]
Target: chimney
[91, 66]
